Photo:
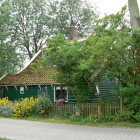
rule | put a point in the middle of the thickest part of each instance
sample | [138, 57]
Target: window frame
[61, 87]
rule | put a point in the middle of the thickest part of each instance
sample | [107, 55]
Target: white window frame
[55, 92]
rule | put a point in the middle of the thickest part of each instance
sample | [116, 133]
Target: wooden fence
[86, 109]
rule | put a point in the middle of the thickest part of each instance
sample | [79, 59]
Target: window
[61, 94]
[21, 90]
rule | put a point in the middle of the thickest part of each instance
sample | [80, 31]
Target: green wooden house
[40, 82]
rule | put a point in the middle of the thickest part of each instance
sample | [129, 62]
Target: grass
[78, 122]
[68, 121]
[3, 139]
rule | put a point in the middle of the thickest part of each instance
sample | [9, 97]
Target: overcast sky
[110, 6]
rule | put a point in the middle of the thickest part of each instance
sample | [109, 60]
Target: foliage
[91, 119]
[137, 117]
[43, 106]
[27, 23]
[109, 51]
[30, 24]
[9, 58]
[5, 101]
[25, 107]
[66, 12]
[66, 56]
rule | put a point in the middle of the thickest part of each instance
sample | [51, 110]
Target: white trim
[15, 87]
[67, 95]
[64, 89]
[6, 87]
[30, 61]
[54, 93]
[97, 89]
[3, 77]
[28, 85]
[39, 87]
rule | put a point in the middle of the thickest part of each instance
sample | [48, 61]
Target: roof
[30, 76]
[33, 59]
[38, 77]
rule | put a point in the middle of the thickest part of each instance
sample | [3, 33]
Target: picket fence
[86, 109]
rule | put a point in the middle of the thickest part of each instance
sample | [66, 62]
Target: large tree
[81, 64]
[30, 25]
[107, 52]
[64, 13]
[34, 20]
[135, 25]
[9, 59]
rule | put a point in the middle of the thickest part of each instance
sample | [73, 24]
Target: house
[40, 82]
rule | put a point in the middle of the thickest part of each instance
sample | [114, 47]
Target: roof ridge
[30, 61]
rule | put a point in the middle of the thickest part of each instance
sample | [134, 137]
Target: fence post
[99, 112]
[121, 104]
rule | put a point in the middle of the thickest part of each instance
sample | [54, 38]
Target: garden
[41, 109]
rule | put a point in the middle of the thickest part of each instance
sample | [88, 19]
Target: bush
[43, 106]
[4, 101]
[91, 119]
[137, 117]
[76, 118]
[25, 107]
[6, 110]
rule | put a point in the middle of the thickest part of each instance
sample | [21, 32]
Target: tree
[9, 58]
[106, 52]
[66, 56]
[62, 14]
[135, 25]
[30, 25]
[33, 21]
[81, 64]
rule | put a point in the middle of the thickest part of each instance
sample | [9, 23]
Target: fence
[86, 109]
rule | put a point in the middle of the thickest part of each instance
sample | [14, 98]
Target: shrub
[43, 106]
[25, 107]
[91, 119]
[4, 101]
[76, 118]
[137, 117]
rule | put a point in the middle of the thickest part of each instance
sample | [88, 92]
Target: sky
[110, 6]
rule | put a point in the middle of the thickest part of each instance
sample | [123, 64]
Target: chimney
[73, 31]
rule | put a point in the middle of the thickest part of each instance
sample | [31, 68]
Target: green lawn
[3, 139]
[82, 122]
[68, 121]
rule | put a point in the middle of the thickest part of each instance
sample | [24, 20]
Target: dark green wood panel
[32, 91]
[107, 90]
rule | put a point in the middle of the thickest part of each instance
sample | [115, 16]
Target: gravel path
[30, 130]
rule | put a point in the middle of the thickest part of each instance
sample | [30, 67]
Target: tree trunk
[135, 24]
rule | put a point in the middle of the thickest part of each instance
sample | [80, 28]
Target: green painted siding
[106, 88]
[31, 91]
[47, 91]
[71, 98]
